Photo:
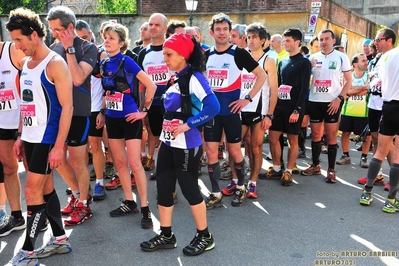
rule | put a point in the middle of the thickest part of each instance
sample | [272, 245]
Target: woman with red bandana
[189, 102]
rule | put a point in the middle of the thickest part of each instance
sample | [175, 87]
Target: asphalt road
[309, 223]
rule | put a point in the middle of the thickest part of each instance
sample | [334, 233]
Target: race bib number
[114, 101]
[247, 81]
[7, 100]
[375, 85]
[322, 86]
[167, 128]
[158, 73]
[357, 98]
[28, 115]
[218, 78]
[284, 92]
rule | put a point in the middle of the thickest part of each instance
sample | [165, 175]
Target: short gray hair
[64, 14]
[240, 29]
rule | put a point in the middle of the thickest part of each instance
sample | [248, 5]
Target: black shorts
[119, 128]
[389, 125]
[318, 113]
[37, 157]
[231, 125]
[79, 131]
[374, 120]
[7, 134]
[281, 121]
[93, 131]
[155, 119]
[250, 118]
[353, 124]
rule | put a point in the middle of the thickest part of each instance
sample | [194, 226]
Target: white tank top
[9, 90]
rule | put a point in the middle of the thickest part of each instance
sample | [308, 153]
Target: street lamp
[191, 5]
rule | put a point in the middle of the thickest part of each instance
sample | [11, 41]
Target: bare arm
[58, 72]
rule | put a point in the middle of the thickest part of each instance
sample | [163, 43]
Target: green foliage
[35, 5]
[117, 6]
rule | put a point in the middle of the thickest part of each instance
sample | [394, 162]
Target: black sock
[316, 150]
[166, 231]
[240, 171]
[145, 209]
[17, 214]
[214, 176]
[346, 153]
[302, 139]
[36, 217]
[204, 232]
[332, 155]
[281, 141]
[53, 214]
[364, 156]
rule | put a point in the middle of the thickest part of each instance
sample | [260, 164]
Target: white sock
[100, 181]
[288, 170]
[241, 187]
[277, 168]
[76, 193]
[217, 194]
[235, 180]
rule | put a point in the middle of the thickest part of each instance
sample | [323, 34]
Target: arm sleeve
[243, 59]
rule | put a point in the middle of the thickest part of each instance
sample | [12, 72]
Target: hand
[313, 62]
[238, 105]
[100, 121]
[266, 123]
[133, 117]
[293, 118]
[19, 150]
[55, 157]
[66, 38]
[180, 129]
[334, 105]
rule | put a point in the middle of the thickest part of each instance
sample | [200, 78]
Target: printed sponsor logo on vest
[27, 95]
[35, 224]
[28, 82]
[6, 72]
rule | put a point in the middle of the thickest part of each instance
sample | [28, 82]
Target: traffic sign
[312, 22]
[315, 10]
[316, 4]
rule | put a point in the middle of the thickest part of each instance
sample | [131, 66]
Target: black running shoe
[159, 241]
[11, 224]
[125, 209]
[146, 221]
[239, 197]
[198, 245]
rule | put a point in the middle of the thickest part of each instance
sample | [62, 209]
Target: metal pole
[191, 18]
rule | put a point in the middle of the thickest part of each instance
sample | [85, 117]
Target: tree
[35, 5]
[117, 6]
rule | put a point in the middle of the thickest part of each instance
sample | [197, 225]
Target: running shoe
[251, 193]
[311, 170]
[366, 198]
[153, 176]
[92, 175]
[271, 174]
[113, 184]
[239, 197]
[286, 179]
[68, 209]
[391, 207]
[295, 170]
[99, 192]
[3, 217]
[331, 176]
[324, 149]
[127, 207]
[224, 165]
[387, 186]
[159, 242]
[11, 224]
[379, 180]
[363, 162]
[146, 221]
[203, 161]
[143, 160]
[213, 202]
[199, 244]
[226, 175]
[345, 159]
[81, 213]
[302, 154]
[149, 165]
[230, 189]
[54, 246]
[24, 258]
[109, 170]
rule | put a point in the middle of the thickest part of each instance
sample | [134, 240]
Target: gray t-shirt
[86, 52]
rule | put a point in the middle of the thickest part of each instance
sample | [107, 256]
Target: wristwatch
[295, 112]
[271, 116]
[144, 109]
[247, 97]
[341, 98]
[17, 134]
[103, 111]
[70, 50]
